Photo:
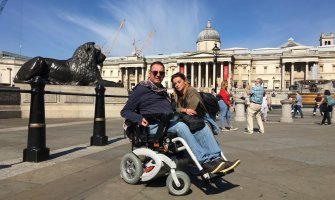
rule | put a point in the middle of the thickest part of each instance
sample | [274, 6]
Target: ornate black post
[99, 137]
[36, 150]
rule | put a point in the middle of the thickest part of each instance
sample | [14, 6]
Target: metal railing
[36, 150]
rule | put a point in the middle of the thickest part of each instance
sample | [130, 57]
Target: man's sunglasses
[162, 73]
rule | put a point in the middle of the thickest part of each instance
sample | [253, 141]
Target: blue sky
[55, 28]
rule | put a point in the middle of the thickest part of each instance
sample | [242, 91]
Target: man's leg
[250, 114]
[300, 111]
[184, 132]
[207, 141]
[259, 118]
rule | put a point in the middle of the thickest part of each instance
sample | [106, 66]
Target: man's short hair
[157, 63]
[260, 80]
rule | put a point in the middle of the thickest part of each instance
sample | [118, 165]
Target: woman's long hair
[224, 85]
[177, 94]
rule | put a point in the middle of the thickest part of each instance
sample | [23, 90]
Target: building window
[287, 84]
[321, 68]
[244, 84]
[265, 70]
[277, 70]
[265, 84]
[235, 84]
[244, 70]
[103, 73]
[333, 68]
[111, 73]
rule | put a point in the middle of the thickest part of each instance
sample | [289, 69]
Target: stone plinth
[286, 111]
[71, 106]
[240, 110]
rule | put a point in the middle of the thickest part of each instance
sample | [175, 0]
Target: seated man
[149, 97]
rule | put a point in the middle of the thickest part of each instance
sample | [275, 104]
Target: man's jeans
[202, 142]
[298, 108]
[224, 114]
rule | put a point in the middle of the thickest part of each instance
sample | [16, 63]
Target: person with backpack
[189, 100]
[327, 106]
[225, 105]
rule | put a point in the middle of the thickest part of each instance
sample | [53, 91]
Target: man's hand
[144, 122]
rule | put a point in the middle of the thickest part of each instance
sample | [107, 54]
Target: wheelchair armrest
[164, 119]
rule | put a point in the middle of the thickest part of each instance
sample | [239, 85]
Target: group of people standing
[320, 102]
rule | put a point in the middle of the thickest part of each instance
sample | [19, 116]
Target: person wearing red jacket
[225, 105]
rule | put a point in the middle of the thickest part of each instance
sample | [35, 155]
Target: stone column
[192, 74]
[306, 71]
[136, 76]
[292, 73]
[206, 78]
[185, 69]
[229, 75]
[239, 110]
[283, 76]
[127, 78]
[221, 71]
[286, 111]
[199, 75]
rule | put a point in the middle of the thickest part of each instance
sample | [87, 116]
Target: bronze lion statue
[81, 69]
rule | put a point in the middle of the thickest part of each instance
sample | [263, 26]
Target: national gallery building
[279, 67]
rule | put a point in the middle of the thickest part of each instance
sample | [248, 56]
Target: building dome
[208, 34]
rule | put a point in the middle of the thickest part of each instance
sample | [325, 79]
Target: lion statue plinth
[81, 69]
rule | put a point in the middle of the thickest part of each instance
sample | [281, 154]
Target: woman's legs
[223, 112]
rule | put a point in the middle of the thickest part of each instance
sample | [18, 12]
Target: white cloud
[175, 25]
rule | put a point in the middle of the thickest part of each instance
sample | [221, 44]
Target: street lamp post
[216, 51]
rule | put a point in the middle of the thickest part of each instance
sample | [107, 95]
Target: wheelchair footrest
[217, 175]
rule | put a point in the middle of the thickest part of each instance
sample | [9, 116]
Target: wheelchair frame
[150, 158]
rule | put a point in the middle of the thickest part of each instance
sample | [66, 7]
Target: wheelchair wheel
[185, 184]
[131, 168]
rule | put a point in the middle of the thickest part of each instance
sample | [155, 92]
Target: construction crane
[2, 5]
[138, 52]
[116, 34]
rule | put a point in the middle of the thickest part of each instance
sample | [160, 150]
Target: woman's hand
[190, 111]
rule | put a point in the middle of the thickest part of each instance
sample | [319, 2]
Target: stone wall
[71, 106]
[9, 104]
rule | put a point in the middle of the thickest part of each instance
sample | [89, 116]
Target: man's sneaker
[228, 166]
[262, 132]
[232, 128]
[247, 132]
[225, 129]
[213, 167]
[328, 124]
[314, 113]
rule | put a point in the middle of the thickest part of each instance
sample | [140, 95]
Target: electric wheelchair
[162, 154]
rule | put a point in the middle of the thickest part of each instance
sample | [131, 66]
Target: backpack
[211, 103]
[330, 101]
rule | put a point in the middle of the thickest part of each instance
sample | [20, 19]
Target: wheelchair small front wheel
[131, 168]
[185, 184]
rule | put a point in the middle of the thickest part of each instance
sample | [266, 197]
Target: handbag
[194, 122]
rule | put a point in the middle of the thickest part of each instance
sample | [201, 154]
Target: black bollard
[99, 137]
[36, 150]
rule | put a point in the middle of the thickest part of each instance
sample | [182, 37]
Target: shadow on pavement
[62, 153]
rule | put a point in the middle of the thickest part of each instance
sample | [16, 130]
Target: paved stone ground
[294, 161]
